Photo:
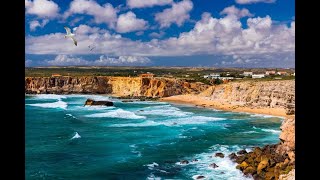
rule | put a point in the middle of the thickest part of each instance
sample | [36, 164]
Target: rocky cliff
[119, 86]
[273, 94]
[272, 161]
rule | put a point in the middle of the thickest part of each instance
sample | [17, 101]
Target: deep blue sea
[136, 140]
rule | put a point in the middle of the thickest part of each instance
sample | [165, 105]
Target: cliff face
[66, 85]
[255, 94]
[120, 86]
[272, 161]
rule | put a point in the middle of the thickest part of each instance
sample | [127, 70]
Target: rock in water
[233, 156]
[242, 152]
[219, 154]
[213, 165]
[184, 162]
[97, 103]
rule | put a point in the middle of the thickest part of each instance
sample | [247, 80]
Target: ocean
[136, 140]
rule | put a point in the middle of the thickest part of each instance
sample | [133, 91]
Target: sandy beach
[200, 101]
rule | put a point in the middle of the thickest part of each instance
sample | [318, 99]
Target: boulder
[213, 165]
[263, 164]
[219, 154]
[184, 162]
[233, 156]
[91, 102]
[249, 170]
[241, 152]
[242, 166]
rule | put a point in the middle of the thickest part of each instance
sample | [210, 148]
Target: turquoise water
[136, 140]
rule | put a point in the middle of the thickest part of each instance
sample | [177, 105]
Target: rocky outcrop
[118, 86]
[272, 161]
[66, 85]
[91, 102]
[273, 94]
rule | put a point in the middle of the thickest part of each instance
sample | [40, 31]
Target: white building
[226, 78]
[247, 73]
[257, 76]
[212, 76]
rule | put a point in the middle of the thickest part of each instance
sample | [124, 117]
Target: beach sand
[201, 101]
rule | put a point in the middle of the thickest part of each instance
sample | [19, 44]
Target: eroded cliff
[273, 94]
[119, 86]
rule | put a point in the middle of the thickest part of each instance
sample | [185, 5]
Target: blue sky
[214, 33]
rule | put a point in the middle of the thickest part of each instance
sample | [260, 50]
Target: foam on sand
[118, 113]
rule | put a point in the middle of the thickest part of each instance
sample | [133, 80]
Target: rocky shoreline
[275, 161]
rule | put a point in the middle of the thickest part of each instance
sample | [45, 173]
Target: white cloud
[34, 24]
[128, 22]
[157, 35]
[254, 1]
[261, 39]
[178, 14]
[69, 60]
[232, 10]
[102, 14]
[42, 8]
[147, 3]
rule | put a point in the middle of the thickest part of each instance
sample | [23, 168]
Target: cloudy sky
[213, 33]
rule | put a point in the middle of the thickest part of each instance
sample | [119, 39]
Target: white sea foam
[249, 132]
[152, 165]
[226, 170]
[143, 124]
[271, 130]
[58, 104]
[153, 177]
[118, 113]
[268, 130]
[72, 116]
[165, 110]
[76, 136]
[49, 96]
[175, 122]
[265, 116]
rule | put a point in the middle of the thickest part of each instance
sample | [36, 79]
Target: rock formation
[272, 161]
[91, 102]
[256, 94]
[118, 86]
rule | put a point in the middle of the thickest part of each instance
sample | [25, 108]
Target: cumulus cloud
[34, 24]
[147, 3]
[42, 8]
[128, 22]
[102, 14]
[254, 1]
[70, 60]
[232, 10]
[178, 14]
[225, 36]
